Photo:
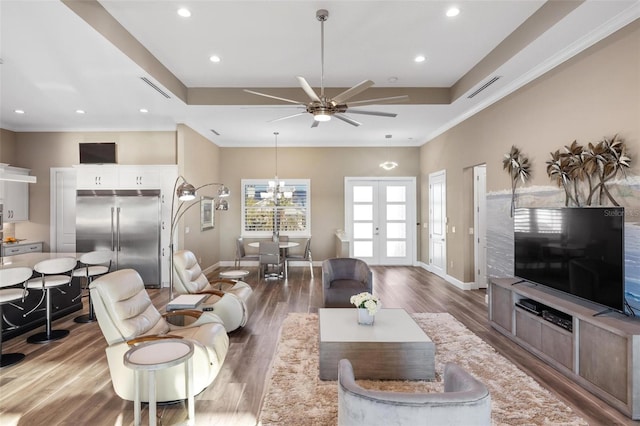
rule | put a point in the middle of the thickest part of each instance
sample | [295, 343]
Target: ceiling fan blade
[274, 97]
[288, 116]
[315, 124]
[381, 114]
[347, 119]
[308, 89]
[360, 87]
[388, 100]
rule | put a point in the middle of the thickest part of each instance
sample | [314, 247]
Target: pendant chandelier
[277, 189]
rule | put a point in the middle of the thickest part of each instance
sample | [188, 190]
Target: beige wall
[39, 151]
[199, 164]
[595, 94]
[7, 147]
[326, 167]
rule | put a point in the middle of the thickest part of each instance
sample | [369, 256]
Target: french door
[380, 215]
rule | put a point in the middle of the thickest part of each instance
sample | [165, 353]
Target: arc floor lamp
[186, 192]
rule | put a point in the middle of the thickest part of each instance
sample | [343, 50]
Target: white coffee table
[394, 348]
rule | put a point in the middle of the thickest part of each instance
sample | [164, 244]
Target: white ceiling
[54, 62]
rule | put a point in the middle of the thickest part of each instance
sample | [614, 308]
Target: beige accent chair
[232, 305]
[342, 277]
[465, 402]
[127, 317]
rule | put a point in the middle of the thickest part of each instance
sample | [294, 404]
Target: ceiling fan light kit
[321, 107]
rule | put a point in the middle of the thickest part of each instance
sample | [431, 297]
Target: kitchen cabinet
[12, 249]
[120, 176]
[14, 196]
[139, 177]
[97, 177]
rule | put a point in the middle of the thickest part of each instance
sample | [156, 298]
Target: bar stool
[92, 265]
[54, 273]
[10, 277]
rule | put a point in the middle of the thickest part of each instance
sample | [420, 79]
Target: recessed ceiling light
[453, 11]
[144, 110]
[79, 111]
[420, 58]
[18, 111]
[214, 58]
[184, 12]
[392, 79]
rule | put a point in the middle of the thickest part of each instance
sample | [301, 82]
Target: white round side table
[235, 274]
[157, 355]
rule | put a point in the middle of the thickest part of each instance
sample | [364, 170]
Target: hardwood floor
[67, 382]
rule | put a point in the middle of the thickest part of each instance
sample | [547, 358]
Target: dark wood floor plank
[67, 382]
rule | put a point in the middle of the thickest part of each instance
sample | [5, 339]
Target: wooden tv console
[601, 353]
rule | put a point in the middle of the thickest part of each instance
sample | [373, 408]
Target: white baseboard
[255, 264]
[451, 280]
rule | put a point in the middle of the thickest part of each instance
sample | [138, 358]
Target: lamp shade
[186, 192]
[223, 191]
[222, 205]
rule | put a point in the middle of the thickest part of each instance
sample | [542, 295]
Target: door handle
[112, 236]
[118, 226]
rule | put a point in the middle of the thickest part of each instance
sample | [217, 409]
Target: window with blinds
[269, 205]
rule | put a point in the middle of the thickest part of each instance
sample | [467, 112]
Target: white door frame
[438, 231]
[411, 202]
[480, 225]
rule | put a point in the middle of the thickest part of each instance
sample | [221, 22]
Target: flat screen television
[579, 251]
[98, 153]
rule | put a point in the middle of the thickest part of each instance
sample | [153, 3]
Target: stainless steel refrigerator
[127, 222]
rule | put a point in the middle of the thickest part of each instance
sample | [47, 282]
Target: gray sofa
[465, 402]
[342, 277]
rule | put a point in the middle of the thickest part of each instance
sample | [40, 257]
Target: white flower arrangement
[366, 300]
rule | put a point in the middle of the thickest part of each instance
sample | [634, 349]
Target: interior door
[63, 209]
[438, 223]
[480, 224]
[379, 219]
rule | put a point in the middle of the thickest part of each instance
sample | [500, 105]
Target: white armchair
[126, 317]
[232, 305]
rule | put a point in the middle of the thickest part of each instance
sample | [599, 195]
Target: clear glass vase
[364, 317]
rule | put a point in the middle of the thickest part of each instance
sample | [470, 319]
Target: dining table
[64, 301]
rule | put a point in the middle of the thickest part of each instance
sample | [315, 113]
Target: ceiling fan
[322, 107]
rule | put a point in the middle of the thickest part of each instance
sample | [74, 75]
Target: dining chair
[92, 265]
[9, 278]
[269, 253]
[241, 255]
[305, 256]
[54, 273]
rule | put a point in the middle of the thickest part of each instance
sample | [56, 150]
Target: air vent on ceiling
[484, 86]
[152, 84]
[214, 132]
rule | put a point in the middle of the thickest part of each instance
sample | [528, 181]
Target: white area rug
[296, 396]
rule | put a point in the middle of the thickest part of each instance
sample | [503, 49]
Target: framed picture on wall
[207, 213]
